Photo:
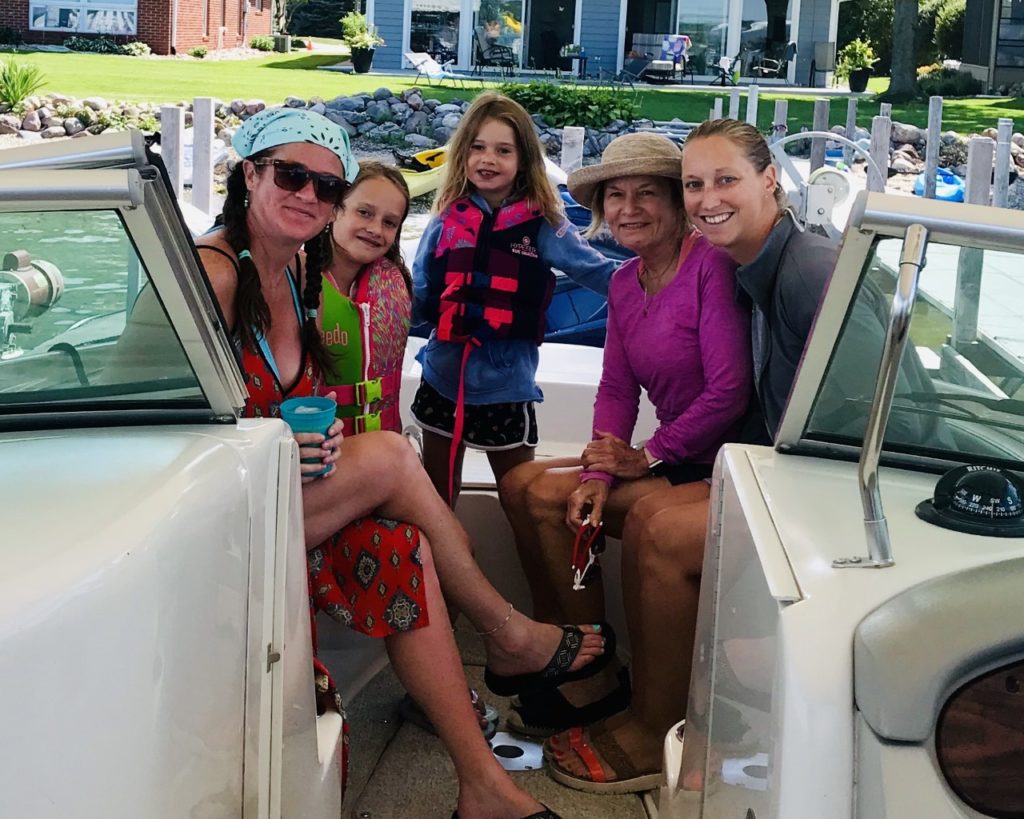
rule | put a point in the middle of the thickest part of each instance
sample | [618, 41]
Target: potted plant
[361, 39]
[856, 59]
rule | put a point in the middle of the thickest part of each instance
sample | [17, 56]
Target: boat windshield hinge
[272, 656]
[875, 526]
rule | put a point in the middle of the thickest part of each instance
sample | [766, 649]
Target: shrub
[948, 82]
[358, 33]
[95, 45]
[949, 29]
[561, 105]
[198, 52]
[10, 36]
[869, 20]
[136, 49]
[262, 43]
[19, 80]
[855, 55]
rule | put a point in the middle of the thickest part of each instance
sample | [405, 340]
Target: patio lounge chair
[436, 74]
[776, 68]
[633, 70]
[492, 54]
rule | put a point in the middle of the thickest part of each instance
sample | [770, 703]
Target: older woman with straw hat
[674, 330]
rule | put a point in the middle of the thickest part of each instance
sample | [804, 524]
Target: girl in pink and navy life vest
[483, 278]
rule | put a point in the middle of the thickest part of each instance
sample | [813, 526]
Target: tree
[903, 82]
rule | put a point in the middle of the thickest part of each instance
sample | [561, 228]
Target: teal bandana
[280, 126]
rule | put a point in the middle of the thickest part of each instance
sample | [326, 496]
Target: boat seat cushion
[911, 652]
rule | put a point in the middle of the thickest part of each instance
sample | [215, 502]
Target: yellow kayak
[429, 176]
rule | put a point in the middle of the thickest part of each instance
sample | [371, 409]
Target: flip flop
[410, 711]
[547, 813]
[556, 672]
[628, 779]
[549, 712]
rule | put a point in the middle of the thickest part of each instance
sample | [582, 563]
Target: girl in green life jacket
[367, 302]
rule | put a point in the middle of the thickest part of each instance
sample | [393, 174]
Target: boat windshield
[68, 280]
[960, 391]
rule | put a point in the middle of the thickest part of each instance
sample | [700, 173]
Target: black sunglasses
[292, 177]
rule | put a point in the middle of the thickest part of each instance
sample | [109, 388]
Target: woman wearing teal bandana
[280, 199]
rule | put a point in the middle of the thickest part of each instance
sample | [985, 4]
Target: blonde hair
[369, 169]
[531, 181]
[597, 220]
[750, 142]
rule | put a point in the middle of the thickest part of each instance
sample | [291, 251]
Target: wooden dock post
[752, 105]
[818, 143]
[716, 112]
[851, 128]
[172, 139]
[572, 148]
[931, 150]
[779, 120]
[202, 154]
[734, 104]
[881, 131]
[1004, 162]
[885, 109]
[968, 269]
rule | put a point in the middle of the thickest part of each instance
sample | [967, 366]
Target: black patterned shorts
[487, 426]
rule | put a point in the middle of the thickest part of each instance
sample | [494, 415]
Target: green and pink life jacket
[365, 336]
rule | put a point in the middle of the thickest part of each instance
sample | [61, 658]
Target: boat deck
[398, 771]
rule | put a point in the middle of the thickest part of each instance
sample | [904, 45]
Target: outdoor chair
[489, 53]
[676, 47]
[427, 66]
[633, 70]
[724, 69]
[775, 68]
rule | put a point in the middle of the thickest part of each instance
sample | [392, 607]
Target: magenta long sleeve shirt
[688, 346]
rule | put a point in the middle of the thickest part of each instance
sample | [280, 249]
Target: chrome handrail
[879, 546]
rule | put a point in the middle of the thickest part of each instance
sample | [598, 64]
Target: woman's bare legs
[427, 663]
[379, 472]
[661, 563]
[534, 498]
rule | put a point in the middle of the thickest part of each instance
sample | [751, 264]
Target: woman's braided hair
[252, 309]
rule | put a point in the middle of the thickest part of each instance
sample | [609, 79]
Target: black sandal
[549, 712]
[556, 672]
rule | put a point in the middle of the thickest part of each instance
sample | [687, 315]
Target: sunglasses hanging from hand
[586, 549]
[293, 177]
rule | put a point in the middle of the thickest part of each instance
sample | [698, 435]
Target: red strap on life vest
[460, 419]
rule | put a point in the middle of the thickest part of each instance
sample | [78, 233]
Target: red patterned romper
[375, 562]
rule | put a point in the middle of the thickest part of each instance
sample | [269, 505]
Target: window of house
[1009, 52]
[84, 16]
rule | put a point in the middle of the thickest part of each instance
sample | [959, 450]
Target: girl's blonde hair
[369, 169]
[750, 142]
[531, 181]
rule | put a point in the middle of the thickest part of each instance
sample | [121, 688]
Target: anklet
[500, 625]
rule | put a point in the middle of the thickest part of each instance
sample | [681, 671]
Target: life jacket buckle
[369, 392]
[370, 422]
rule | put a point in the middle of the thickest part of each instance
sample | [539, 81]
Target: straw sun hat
[627, 155]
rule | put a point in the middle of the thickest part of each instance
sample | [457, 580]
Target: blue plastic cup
[310, 414]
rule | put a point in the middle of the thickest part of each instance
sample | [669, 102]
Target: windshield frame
[875, 216]
[115, 177]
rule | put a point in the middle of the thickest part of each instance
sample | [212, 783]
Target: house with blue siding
[770, 41]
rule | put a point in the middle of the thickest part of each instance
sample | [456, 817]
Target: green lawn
[276, 76]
